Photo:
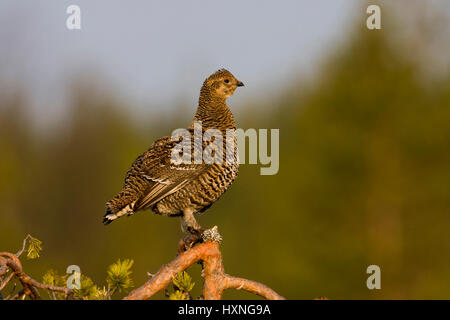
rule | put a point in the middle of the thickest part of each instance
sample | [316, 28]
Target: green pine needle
[54, 279]
[119, 275]
[179, 295]
[101, 294]
[88, 289]
[34, 248]
[183, 281]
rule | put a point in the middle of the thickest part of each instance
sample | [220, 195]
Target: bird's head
[222, 84]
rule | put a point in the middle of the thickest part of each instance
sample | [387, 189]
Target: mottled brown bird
[155, 182]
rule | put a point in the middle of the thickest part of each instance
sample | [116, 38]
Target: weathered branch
[216, 280]
[24, 244]
[30, 286]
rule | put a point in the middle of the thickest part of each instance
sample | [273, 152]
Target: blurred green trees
[364, 179]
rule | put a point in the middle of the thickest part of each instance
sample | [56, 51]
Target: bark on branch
[11, 261]
[215, 279]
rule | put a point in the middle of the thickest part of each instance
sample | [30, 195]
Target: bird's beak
[240, 84]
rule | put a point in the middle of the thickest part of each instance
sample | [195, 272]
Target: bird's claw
[199, 236]
[188, 242]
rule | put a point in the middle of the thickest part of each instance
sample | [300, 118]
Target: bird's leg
[187, 242]
[190, 225]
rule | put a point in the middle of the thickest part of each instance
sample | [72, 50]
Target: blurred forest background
[364, 175]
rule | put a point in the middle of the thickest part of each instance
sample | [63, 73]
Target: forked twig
[29, 285]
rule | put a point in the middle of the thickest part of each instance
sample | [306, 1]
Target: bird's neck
[213, 111]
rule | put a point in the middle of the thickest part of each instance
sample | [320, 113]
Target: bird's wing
[164, 177]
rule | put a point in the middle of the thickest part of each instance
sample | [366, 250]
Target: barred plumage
[154, 182]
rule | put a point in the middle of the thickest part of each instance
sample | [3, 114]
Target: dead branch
[216, 280]
[23, 245]
[30, 286]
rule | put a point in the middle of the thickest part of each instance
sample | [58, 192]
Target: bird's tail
[114, 212]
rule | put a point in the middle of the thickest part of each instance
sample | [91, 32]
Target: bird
[155, 182]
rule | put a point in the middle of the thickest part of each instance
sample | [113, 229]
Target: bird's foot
[199, 236]
[189, 241]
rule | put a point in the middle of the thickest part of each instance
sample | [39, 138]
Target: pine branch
[215, 279]
[29, 285]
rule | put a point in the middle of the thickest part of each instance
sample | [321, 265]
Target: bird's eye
[226, 80]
